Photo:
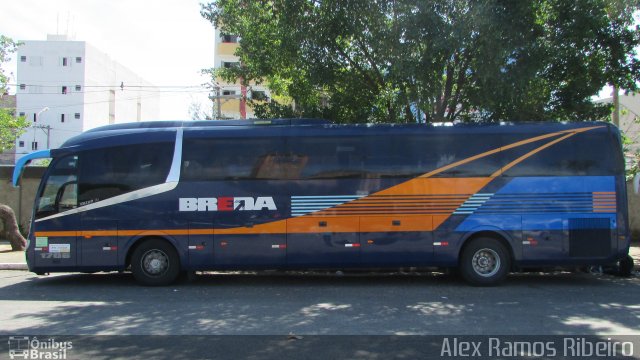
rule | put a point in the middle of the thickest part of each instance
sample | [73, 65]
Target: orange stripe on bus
[528, 155]
[55, 233]
[404, 223]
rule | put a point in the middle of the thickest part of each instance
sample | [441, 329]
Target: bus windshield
[60, 193]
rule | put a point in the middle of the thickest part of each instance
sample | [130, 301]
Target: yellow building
[232, 99]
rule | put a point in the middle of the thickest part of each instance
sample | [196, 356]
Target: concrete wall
[21, 199]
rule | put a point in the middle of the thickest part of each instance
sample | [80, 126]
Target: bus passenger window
[328, 157]
[586, 154]
[207, 159]
[109, 172]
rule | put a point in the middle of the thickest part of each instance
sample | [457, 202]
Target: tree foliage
[7, 47]
[396, 60]
[10, 126]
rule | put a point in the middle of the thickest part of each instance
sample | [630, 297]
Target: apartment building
[65, 87]
[231, 99]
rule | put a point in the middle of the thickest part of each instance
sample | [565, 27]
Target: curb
[14, 266]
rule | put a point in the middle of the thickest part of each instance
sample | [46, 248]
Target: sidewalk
[11, 260]
[15, 260]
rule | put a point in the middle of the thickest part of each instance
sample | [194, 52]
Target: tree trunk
[8, 217]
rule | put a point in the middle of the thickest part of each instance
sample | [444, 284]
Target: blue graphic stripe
[546, 221]
[302, 205]
[535, 203]
[559, 185]
[473, 203]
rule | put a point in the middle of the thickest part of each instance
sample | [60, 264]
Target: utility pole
[219, 102]
[42, 127]
[47, 130]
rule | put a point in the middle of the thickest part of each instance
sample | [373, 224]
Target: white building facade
[65, 87]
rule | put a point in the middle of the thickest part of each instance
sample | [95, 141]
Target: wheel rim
[486, 262]
[155, 262]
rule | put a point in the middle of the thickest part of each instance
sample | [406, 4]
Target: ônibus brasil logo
[225, 203]
[24, 347]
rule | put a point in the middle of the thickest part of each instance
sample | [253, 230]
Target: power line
[101, 102]
[114, 86]
[103, 91]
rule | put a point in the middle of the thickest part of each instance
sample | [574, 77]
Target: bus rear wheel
[485, 262]
[155, 263]
[625, 266]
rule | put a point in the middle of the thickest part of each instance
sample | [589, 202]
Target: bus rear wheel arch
[155, 262]
[484, 261]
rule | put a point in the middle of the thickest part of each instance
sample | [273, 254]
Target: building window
[78, 88]
[23, 86]
[35, 60]
[258, 95]
[78, 60]
[61, 117]
[77, 116]
[228, 92]
[20, 143]
[229, 65]
[23, 58]
[34, 145]
[64, 89]
[21, 113]
[229, 38]
[65, 62]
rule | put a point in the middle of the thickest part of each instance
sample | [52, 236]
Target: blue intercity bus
[166, 198]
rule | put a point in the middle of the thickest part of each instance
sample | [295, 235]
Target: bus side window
[328, 157]
[467, 146]
[584, 154]
[109, 172]
[207, 159]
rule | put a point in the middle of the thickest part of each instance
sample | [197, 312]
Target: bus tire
[485, 262]
[625, 266]
[155, 263]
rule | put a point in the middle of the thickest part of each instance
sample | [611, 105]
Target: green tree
[390, 61]
[10, 126]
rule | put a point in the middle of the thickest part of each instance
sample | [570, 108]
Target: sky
[166, 42]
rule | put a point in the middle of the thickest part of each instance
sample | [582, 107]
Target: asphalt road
[320, 304]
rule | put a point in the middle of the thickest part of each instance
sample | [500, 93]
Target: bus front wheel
[155, 263]
[485, 262]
